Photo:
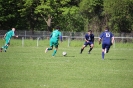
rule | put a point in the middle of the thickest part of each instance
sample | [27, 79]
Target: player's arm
[99, 40]
[14, 35]
[60, 37]
[93, 38]
[112, 41]
[86, 39]
[51, 35]
[4, 36]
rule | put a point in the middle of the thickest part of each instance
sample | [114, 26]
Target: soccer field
[30, 67]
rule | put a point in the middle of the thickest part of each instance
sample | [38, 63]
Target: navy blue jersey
[90, 37]
[106, 37]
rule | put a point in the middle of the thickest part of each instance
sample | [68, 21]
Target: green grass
[30, 67]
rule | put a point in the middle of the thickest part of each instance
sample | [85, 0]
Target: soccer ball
[64, 53]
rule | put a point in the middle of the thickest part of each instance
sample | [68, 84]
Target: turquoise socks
[54, 52]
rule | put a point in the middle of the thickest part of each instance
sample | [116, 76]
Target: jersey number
[107, 34]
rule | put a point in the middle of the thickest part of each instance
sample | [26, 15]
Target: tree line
[70, 15]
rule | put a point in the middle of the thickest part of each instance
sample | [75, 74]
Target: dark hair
[89, 30]
[57, 27]
[106, 28]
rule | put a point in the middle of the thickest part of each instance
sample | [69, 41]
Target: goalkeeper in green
[54, 38]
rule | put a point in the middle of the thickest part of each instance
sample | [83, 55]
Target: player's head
[89, 31]
[57, 28]
[106, 28]
[13, 29]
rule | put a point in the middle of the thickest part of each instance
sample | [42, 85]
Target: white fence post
[22, 41]
[68, 41]
[25, 34]
[38, 41]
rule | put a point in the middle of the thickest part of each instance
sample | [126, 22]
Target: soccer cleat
[0, 49]
[46, 50]
[89, 53]
[4, 50]
[107, 50]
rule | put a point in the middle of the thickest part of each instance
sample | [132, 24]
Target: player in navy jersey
[89, 40]
[107, 39]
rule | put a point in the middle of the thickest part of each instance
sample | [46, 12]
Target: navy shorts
[107, 46]
[88, 43]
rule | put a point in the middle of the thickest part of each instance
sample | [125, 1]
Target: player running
[107, 40]
[89, 40]
[54, 38]
[7, 38]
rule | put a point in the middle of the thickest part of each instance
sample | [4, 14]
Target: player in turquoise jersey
[7, 38]
[54, 38]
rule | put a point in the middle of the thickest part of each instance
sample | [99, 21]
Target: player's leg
[91, 47]
[51, 46]
[82, 49]
[56, 48]
[7, 43]
[107, 48]
[6, 47]
[47, 49]
[103, 50]
[0, 49]
[85, 44]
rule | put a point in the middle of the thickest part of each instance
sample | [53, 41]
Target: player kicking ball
[54, 38]
[7, 38]
[89, 40]
[107, 39]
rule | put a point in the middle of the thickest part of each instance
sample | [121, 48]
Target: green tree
[56, 11]
[92, 11]
[8, 14]
[71, 15]
[119, 14]
[26, 10]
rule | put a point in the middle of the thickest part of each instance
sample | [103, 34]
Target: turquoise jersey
[55, 35]
[9, 34]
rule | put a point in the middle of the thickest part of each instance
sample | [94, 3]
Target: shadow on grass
[65, 56]
[117, 59]
[69, 56]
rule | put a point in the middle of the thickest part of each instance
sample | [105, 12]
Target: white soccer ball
[64, 53]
